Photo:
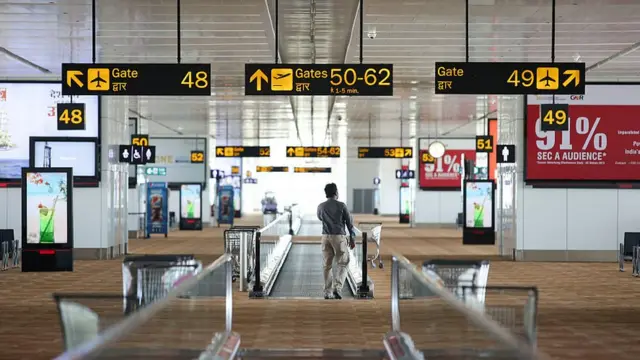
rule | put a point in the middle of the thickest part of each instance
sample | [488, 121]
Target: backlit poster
[47, 219]
[29, 109]
[479, 212]
[191, 206]
[157, 209]
[226, 211]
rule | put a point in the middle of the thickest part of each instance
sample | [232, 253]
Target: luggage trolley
[156, 280]
[374, 231]
[450, 274]
[233, 240]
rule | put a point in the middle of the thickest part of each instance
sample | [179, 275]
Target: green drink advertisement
[191, 207]
[46, 208]
[479, 205]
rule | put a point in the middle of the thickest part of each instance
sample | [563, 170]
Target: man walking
[335, 216]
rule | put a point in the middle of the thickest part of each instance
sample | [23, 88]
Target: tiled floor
[586, 311]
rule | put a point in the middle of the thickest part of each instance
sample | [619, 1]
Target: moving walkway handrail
[257, 283]
[133, 321]
[477, 317]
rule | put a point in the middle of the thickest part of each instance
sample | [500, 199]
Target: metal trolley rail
[240, 242]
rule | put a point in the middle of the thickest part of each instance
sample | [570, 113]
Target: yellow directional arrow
[290, 151]
[219, 151]
[573, 75]
[408, 152]
[72, 76]
[258, 77]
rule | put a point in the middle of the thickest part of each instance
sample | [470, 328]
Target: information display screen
[478, 205]
[445, 171]
[47, 208]
[29, 109]
[78, 155]
[190, 201]
[602, 143]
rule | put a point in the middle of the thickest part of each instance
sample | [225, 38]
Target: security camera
[339, 117]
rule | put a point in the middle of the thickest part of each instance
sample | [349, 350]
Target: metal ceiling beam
[349, 49]
[265, 16]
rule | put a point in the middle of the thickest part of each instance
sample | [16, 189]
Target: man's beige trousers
[334, 246]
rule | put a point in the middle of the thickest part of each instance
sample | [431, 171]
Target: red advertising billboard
[445, 172]
[602, 143]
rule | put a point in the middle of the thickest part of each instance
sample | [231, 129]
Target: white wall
[389, 186]
[577, 219]
[439, 207]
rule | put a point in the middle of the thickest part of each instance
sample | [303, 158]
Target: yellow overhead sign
[319, 79]
[313, 151]
[136, 79]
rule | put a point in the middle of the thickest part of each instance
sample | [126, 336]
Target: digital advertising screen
[46, 208]
[190, 201]
[190, 206]
[602, 142]
[29, 109]
[76, 153]
[479, 204]
[445, 173]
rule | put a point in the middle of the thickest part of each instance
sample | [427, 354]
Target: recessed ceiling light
[412, 97]
[414, 82]
[179, 128]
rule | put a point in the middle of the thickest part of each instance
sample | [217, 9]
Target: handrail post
[364, 284]
[229, 295]
[291, 221]
[395, 294]
[257, 284]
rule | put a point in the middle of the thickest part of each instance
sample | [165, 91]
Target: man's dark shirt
[334, 216]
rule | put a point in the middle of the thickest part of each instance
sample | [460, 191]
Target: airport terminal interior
[163, 162]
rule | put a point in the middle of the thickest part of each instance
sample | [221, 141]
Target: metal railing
[635, 259]
[446, 325]
[181, 322]
[251, 259]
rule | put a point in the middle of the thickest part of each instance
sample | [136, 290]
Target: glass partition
[448, 326]
[183, 324]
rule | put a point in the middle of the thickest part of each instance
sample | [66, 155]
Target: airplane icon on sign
[281, 76]
[98, 80]
[547, 79]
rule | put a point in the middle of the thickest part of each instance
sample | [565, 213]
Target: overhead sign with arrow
[137, 79]
[510, 78]
[319, 79]
[243, 151]
[313, 151]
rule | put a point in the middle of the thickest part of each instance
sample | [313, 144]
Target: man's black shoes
[336, 295]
